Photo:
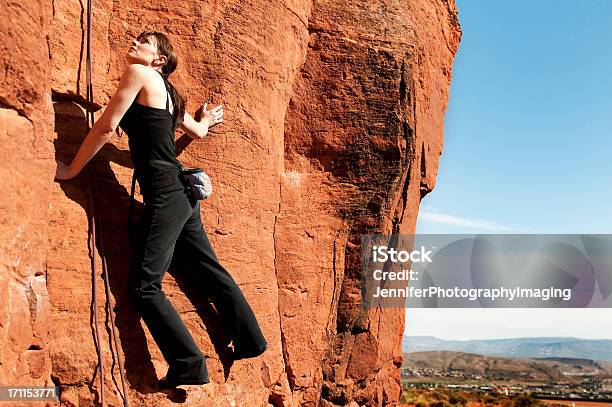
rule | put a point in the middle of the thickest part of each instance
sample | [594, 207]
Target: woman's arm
[197, 129]
[130, 84]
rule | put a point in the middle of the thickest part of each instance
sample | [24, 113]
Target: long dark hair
[165, 48]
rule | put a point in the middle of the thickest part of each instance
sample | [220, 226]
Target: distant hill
[545, 347]
[493, 367]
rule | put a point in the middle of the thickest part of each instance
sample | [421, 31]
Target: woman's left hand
[212, 116]
[62, 172]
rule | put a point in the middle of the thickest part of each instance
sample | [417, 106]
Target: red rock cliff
[333, 128]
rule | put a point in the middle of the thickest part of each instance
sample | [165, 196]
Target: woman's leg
[159, 229]
[197, 254]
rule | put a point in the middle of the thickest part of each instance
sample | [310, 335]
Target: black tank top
[150, 132]
[151, 139]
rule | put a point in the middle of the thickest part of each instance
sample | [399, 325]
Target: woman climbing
[170, 223]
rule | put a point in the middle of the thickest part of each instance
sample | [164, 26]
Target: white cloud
[428, 216]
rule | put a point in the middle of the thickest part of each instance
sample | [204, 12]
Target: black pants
[171, 220]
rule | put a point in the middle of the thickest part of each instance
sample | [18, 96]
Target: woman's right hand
[62, 172]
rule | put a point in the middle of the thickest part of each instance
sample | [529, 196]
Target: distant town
[560, 379]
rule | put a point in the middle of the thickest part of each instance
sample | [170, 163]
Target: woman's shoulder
[137, 71]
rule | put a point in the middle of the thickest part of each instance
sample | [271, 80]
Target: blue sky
[528, 130]
[527, 147]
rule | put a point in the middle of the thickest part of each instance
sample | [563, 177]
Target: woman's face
[143, 52]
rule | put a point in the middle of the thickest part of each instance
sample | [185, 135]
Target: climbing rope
[95, 214]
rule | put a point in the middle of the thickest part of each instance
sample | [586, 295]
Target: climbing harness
[95, 214]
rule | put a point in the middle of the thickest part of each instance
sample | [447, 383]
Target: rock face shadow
[109, 213]
[106, 202]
